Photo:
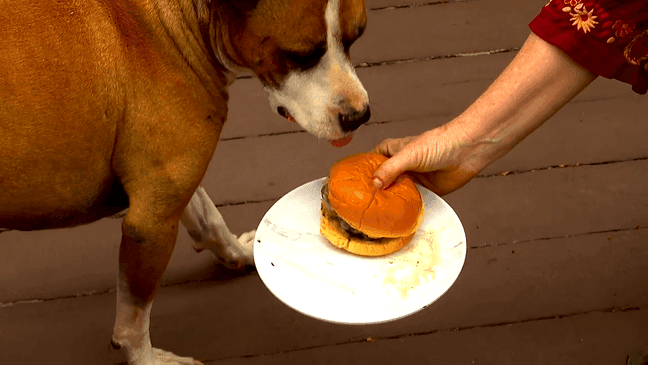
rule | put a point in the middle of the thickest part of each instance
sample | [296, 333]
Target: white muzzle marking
[315, 98]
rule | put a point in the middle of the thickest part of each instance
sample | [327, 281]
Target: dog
[114, 104]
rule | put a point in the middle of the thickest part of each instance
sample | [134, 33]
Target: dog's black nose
[352, 121]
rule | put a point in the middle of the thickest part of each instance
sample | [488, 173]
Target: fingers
[397, 164]
[392, 146]
[433, 158]
[384, 147]
[390, 170]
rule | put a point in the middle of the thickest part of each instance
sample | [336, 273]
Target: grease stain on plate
[407, 272]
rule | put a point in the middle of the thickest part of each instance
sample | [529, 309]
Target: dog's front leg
[207, 228]
[143, 257]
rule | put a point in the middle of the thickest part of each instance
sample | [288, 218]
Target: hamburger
[365, 220]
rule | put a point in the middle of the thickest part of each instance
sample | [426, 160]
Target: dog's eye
[306, 61]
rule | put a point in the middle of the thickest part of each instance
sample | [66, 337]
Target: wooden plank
[553, 203]
[446, 87]
[83, 260]
[505, 284]
[445, 29]
[593, 338]
[583, 133]
[374, 5]
[530, 205]
[403, 92]
[382, 4]
[269, 167]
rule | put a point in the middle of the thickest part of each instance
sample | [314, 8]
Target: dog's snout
[352, 121]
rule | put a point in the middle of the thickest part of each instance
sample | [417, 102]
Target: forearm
[539, 81]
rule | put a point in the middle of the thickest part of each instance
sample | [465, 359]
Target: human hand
[540, 80]
[438, 159]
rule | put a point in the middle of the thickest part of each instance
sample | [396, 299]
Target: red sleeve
[608, 37]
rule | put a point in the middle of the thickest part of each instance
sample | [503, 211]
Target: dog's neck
[201, 31]
[219, 33]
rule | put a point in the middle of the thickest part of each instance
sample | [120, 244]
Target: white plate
[303, 270]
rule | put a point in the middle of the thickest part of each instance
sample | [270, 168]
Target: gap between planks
[106, 291]
[420, 59]
[503, 173]
[418, 5]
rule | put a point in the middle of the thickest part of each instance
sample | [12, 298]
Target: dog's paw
[242, 255]
[154, 356]
[167, 358]
[235, 253]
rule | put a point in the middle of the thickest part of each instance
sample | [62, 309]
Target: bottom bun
[338, 237]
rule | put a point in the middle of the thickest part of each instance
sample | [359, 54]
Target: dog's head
[299, 49]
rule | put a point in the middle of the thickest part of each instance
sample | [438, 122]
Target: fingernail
[377, 183]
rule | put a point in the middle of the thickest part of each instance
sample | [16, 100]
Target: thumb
[389, 170]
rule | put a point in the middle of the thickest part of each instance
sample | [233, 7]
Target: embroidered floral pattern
[622, 28]
[572, 3]
[582, 18]
[614, 29]
[637, 50]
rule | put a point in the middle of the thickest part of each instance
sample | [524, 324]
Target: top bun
[393, 212]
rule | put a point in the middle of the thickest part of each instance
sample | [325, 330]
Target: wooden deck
[557, 266]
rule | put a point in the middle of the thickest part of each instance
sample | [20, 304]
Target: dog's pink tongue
[342, 141]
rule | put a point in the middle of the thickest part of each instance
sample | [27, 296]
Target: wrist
[539, 81]
[475, 149]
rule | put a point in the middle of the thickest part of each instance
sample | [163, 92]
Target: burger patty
[345, 226]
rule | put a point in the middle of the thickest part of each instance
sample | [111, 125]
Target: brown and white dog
[114, 104]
